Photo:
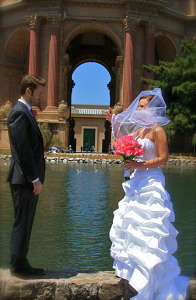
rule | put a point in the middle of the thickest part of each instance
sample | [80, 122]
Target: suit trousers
[25, 203]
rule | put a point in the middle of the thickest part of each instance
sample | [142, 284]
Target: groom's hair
[31, 82]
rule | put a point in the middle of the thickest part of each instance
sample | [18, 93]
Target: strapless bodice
[149, 148]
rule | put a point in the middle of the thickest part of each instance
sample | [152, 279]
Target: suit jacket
[26, 144]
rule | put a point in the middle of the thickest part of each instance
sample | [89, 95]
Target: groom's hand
[37, 187]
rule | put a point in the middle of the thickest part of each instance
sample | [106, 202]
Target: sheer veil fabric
[132, 119]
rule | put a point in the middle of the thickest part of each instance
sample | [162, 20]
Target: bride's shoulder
[158, 131]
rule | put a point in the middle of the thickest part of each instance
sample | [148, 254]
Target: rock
[69, 285]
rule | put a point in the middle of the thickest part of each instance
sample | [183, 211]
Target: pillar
[128, 86]
[34, 22]
[54, 63]
[118, 70]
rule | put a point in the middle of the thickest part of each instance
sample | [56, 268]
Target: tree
[56, 142]
[46, 134]
[194, 142]
[178, 82]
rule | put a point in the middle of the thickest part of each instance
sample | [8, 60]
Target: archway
[97, 47]
[164, 49]
[16, 63]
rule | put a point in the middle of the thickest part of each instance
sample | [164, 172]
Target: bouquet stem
[126, 175]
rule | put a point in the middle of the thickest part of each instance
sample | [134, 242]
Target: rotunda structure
[51, 38]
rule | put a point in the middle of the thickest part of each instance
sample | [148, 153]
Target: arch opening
[91, 84]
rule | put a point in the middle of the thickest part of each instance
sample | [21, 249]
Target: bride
[143, 237]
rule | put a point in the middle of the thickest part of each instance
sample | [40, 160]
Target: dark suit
[27, 164]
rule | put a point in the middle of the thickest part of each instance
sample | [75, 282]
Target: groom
[26, 174]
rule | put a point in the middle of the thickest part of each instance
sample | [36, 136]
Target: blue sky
[91, 81]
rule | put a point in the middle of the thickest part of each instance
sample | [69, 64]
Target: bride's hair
[149, 97]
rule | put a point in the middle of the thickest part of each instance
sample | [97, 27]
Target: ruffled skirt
[144, 239]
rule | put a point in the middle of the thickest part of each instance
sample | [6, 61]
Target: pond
[75, 213]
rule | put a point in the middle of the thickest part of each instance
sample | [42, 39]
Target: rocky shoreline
[99, 159]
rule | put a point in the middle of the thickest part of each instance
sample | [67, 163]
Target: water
[75, 213]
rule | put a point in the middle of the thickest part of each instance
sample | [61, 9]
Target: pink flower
[128, 147]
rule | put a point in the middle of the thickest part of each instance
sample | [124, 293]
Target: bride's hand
[132, 164]
[109, 114]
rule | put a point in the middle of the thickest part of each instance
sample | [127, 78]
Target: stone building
[51, 38]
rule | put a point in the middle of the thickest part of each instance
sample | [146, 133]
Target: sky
[91, 81]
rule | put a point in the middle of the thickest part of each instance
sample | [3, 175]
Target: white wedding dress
[143, 237]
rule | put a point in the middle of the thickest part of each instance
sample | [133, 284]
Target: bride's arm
[160, 140]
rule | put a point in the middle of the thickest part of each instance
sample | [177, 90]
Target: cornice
[99, 3]
[143, 3]
[158, 8]
[160, 3]
[93, 20]
[169, 13]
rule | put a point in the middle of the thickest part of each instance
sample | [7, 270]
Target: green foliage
[46, 134]
[178, 82]
[194, 142]
[56, 142]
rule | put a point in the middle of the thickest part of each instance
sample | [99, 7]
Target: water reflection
[75, 213]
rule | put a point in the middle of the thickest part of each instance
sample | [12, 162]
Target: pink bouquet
[129, 148]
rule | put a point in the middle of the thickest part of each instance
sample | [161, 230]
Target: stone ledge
[69, 285]
[65, 285]
[97, 158]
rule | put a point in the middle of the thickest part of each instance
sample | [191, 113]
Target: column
[128, 86]
[64, 73]
[54, 63]
[34, 22]
[118, 70]
[149, 48]
[111, 87]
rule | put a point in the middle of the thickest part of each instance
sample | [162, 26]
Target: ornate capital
[54, 21]
[130, 24]
[33, 21]
[150, 27]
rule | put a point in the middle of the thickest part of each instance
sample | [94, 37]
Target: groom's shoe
[37, 271]
[26, 272]
[22, 268]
